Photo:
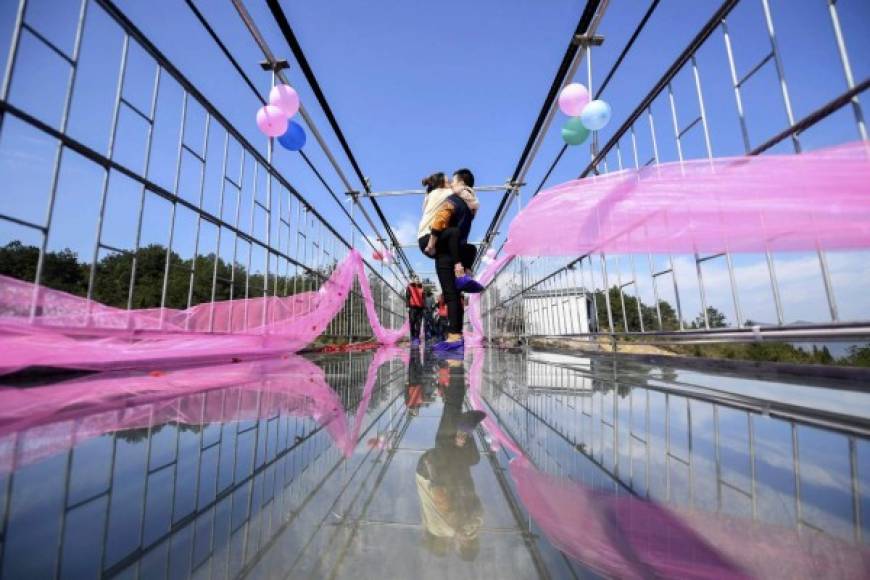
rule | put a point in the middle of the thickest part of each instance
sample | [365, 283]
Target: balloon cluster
[383, 255]
[274, 119]
[586, 115]
[489, 256]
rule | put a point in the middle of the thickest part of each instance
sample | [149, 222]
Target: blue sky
[424, 86]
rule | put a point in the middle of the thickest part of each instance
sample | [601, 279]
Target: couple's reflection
[451, 510]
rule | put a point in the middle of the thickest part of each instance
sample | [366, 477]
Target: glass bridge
[128, 182]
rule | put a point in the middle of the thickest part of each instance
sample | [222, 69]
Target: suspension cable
[705, 32]
[570, 61]
[628, 45]
[264, 47]
[247, 80]
[296, 48]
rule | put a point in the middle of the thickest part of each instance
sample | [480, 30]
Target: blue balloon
[596, 115]
[293, 138]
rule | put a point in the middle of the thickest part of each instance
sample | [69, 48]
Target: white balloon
[596, 115]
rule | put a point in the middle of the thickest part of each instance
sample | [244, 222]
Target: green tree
[717, 319]
[858, 356]
[648, 313]
[824, 356]
[60, 270]
[113, 273]
[670, 320]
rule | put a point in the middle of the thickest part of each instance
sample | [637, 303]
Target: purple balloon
[285, 98]
[271, 121]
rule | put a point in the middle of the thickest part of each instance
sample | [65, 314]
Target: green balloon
[574, 132]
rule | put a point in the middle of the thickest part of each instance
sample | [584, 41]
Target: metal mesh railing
[710, 297]
[125, 184]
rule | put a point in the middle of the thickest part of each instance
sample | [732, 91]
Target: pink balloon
[272, 121]
[572, 99]
[490, 253]
[285, 98]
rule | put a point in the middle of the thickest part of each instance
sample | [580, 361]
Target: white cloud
[800, 284]
[406, 231]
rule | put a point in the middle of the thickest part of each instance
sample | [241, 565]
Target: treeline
[63, 270]
[633, 315]
[754, 351]
[858, 355]
[636, 310]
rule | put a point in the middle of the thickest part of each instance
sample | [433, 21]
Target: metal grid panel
[610, 281]
[228, 215]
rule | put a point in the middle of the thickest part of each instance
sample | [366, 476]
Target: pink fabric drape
[475, 336]
[382, 355]
[627, 537]
[72, 332]
[800, 202]
[39, 422]
[817, 200]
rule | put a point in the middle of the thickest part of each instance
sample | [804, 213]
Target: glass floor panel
[399, 464]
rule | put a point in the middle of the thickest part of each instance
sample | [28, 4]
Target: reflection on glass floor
[378, 466]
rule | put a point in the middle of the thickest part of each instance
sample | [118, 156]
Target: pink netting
[73, 332]
[474, 337]
[627, 537]
[39, 422]
[818, 200]
[742, 204]
[382, 355]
